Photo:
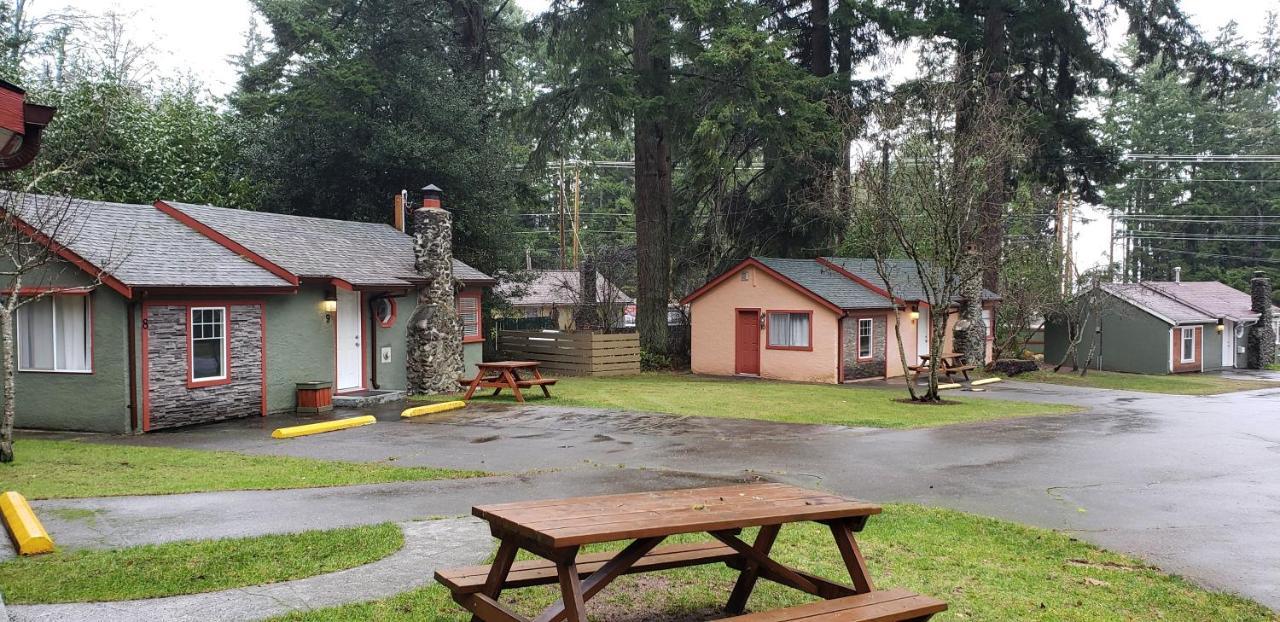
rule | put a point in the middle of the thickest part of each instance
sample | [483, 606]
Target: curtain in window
[53, 334]
[35, 331]
[469, 312]
[72, 318]
[789, 329]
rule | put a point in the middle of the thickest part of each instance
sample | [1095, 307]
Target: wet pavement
[1188, 483]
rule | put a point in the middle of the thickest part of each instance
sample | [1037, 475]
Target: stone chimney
[435, 336]
[1261, 349]
[970, 332]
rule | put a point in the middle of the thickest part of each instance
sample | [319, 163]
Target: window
[469, 315]
[789, 330]
[208, 344]
[1188, 344]
[385, 310]
[866, 334]
[54, 334]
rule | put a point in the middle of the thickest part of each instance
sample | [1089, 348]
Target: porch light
[330, 305]
[915, 314]
[1220, 327]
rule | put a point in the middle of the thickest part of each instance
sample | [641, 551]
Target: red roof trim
[227, 242]
[71, 256]
[767, 270]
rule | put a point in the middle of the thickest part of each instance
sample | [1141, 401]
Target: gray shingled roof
[1212, 297]
[560, 287]
[360, 253]
[137, 244]
[1158, 305]
[827, 283]
[902, 273]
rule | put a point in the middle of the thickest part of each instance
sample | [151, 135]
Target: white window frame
[871, 338]
[223, 342]
[1275, 329]
[53, 306]
[1182, 344]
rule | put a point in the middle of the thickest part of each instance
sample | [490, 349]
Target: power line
[1220, 255]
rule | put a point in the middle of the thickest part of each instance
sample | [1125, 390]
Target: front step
[364, 399]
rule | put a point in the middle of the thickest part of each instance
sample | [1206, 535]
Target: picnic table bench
[949, 363]
[499, 375]
[555, 530]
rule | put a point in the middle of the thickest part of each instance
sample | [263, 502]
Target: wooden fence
[574, 353]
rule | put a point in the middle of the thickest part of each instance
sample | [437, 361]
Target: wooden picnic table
[556, 529]
[499, 375]
[949, 363]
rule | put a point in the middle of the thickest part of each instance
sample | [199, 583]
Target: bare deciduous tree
[921, 197]
[33, 231]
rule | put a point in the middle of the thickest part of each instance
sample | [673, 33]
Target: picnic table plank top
[587, 520]
[508, 364]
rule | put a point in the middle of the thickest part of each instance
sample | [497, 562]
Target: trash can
[315, 397]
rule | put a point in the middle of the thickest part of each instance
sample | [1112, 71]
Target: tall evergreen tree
[358, 100]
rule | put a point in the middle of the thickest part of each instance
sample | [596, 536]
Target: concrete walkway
[1188, 483]
[428, 545]
[115, 522]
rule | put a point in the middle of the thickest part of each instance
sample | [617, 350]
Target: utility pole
[1071, 260]
[1058, 239]
[560, 200]
[577, 219]
[1111, 249]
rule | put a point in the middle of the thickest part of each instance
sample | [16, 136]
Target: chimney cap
[432, 188]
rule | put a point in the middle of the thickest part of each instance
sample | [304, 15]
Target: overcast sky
[198, 37]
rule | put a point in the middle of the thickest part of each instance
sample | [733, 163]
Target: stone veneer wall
[1261, 348]
[435, 333]
[874, 368]
[170, 402]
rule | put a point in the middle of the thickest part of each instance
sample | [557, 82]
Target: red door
[747, 338]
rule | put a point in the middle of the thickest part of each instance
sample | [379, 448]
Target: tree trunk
[6, 422]
[652, 61]
[995, 60]
[820, 38]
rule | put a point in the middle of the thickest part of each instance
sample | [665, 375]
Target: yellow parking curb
[323, 426]
[978, 383]
[28, 534]
[432, 409]
[953, 385]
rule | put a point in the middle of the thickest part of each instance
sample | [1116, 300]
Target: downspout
[374, 325]
[133, 367]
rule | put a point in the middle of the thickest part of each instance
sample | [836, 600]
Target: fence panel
[574, 353]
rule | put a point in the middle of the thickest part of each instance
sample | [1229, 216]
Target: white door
[349, 351]
[1228, 344]
[922, 335]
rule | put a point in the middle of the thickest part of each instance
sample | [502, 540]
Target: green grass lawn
[1180, 384]
[985, 569]
[193, 566]
[45, 469]
[684, 394]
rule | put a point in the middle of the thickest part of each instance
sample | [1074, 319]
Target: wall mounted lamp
[1221, 327]
[330, 305]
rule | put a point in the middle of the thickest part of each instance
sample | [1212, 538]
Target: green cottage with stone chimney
[158, 316]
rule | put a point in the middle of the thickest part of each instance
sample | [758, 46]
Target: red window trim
[192, 383]
[391, 320]
[479, 336]
[768, 346]
[857, 327]
[88, 302]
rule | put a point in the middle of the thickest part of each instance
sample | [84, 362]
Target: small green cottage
[164, 315]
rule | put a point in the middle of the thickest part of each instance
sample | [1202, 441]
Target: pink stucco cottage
[827, 320]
